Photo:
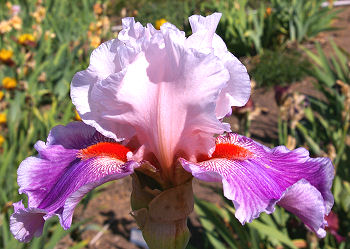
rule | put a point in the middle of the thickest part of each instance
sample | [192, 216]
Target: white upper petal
[161, 87]
[237, 90]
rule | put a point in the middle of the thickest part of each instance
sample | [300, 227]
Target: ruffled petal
[58, 178]
[166, 96]
[26, 223]
[108, 59]
[203, 29]
[255, 178]
[306, 202]
[237, 90]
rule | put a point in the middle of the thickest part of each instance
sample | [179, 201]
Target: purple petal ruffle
[256, 178]
[58, 178]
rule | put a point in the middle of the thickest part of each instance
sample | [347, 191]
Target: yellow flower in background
[2, 140]
[3, 118]
[1, 95]
[95, 28]
[5, 55]
[160, 22]
[77, 116]
[39, 14]
[9, 83]
[95, 41]
[16, 22]
[92, 27]
[37, 30]
[330, 3]
[105, 23]
[25, 38]
[8, 5]
[49, 35]
[5, 27]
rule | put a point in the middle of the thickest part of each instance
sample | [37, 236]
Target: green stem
[162, 214]
[341, 148]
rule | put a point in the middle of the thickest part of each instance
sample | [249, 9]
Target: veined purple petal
[306, 202]
[255, 178]
[74, 160]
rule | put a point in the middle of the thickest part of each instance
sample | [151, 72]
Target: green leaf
[59, 233]
[272, 233]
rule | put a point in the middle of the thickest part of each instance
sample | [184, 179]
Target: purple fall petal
[36, 176]
[255, 178]
[306, 202]
[26, 222]
[63, 172]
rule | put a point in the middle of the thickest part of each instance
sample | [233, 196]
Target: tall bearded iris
[151, 102]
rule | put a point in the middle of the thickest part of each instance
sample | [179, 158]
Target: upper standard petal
[237, 90]
[166, 95]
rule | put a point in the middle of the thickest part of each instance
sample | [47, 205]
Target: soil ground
[109, 211]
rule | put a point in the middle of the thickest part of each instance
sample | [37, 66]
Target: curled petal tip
[25, 223]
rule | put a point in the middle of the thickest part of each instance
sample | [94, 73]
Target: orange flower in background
[1, 95]
[3, 118]
[25, 39]
[95, 41]
[9, 83]
[39, 14]
[16, 22]
[268, 11]
[98, 28]
[37, 31]
[2, 140]
[95, 29]
[42, 77]
[5, 27]
[160, 22]
[105, 23]
[5, 55]
[98, 9]
[8, 5]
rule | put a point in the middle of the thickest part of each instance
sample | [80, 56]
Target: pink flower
[15, 9]
[333, 226]
[152, 103]
[162, 89]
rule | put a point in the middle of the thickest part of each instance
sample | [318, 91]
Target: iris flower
[152, 103]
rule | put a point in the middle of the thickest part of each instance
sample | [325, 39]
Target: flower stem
[162, 215]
